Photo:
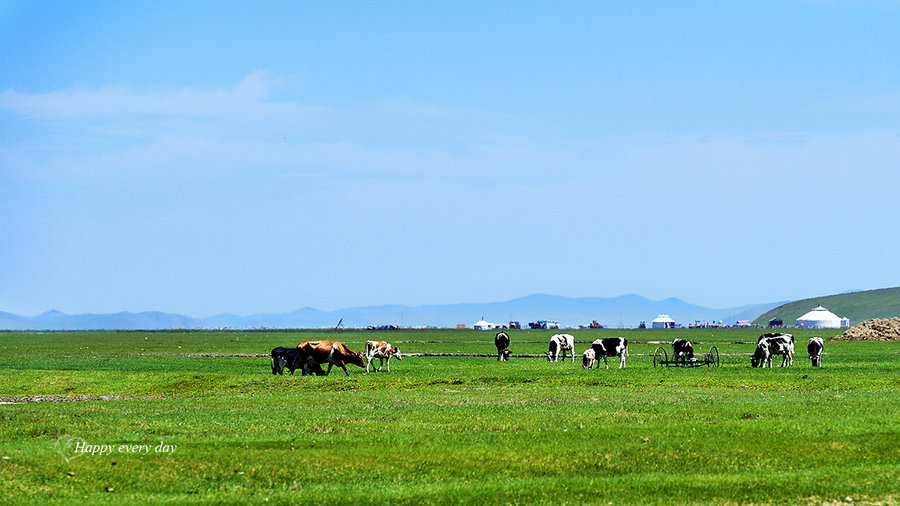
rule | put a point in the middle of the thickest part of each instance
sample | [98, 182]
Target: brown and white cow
[588, 358]
[330, 352]
[382, 351]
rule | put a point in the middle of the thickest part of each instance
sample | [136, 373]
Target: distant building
[821, 318]
[663, 321]
[485, 325]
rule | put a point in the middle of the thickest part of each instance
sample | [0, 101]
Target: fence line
[411, 354]
[576, 342]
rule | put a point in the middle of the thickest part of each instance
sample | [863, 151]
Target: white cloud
[248, 96]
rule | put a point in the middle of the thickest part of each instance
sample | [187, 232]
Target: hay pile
[876, 329]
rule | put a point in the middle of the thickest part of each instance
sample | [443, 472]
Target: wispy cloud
[248, 96]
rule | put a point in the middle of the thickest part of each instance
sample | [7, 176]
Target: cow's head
[396, 354]
[278, 363]
[759, 356]
[505, 354]
[587, 360]
[357, 359]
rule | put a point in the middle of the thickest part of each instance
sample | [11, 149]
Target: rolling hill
[857, 306]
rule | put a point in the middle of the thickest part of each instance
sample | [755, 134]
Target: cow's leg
[389, 364]
[621, 360]
[605, 362]
[368, 361]
[329, 369]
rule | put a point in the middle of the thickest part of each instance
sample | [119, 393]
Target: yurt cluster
[818, 318]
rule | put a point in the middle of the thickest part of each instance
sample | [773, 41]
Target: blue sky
[209, 157]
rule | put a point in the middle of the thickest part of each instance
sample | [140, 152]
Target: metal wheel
[660, 356]
[712, 357]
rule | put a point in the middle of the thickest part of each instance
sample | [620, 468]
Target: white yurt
[485, 325]
[821, 318]
[663, 321]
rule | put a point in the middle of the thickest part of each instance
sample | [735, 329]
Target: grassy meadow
[443, 430]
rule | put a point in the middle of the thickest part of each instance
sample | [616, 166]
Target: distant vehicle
[544, 324]
[515, 325]
[595, 325]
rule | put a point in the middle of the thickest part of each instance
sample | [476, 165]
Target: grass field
[441, 430]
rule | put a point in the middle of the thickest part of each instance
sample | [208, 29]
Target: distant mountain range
[625, 311]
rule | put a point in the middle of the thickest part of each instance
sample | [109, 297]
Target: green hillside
[858, 306]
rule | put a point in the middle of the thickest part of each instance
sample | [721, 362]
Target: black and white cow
[610, 347]
[282, 357]
[815, 347]
[682, 350]
[773, 344]
[501, 340]
[561, 343]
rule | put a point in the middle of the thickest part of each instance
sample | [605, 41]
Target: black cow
[291, 358]
[815, 347]
[501, 340]
[682, 350]
[609, 347]
[282, 357]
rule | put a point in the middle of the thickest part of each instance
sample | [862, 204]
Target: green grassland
[857, 306]
[444, 430]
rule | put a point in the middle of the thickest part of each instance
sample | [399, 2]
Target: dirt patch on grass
[876, 329]
[25, 399]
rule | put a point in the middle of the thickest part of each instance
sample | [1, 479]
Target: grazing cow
[290, 357]
[609, 347]
[330, 352]
[588, 358]
[501, 340]
[773, 344]
[815, 347]
[560, 343]
[382, 351]
[281, 357]
[682, 350]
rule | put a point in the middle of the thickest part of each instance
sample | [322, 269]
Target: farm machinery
[710, 359]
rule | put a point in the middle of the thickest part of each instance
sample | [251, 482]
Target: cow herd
[783, 344]
[309, 356]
